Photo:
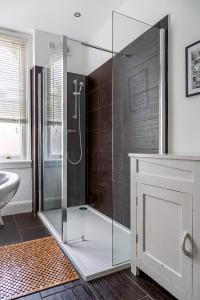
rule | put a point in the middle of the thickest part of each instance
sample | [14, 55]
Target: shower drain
[83, 208]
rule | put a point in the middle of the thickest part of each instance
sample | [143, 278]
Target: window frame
[25, 128]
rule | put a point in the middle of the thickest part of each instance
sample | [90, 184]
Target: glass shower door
[74, 105]
[51, 120]
[62, 140]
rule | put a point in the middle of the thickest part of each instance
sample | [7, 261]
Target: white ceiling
[56, 16]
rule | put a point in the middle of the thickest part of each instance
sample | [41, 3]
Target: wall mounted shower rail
[104, 49]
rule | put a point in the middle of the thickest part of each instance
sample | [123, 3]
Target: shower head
[75, 81]
[81, 85]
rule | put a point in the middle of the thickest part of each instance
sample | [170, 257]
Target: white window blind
[12, 79]
[54, 89]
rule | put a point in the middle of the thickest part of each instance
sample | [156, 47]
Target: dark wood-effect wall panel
[133, 83]
[99, 139]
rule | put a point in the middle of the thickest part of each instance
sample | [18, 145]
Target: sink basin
[9, 184]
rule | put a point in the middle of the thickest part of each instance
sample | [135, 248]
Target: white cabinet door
[164, 225]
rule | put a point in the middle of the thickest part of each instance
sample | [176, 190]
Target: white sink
[9, 184]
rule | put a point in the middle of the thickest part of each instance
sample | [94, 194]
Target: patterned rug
[32, 266]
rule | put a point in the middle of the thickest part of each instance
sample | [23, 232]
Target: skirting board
[26, 206]
[17, 208]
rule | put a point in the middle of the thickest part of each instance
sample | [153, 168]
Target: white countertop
[167, 156]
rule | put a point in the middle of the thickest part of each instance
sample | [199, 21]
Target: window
[13, 97]
[54, 106]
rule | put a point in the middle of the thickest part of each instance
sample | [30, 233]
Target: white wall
[125, 30]
[95, 58]
[41, 50]
[77, 56]
[184, 120]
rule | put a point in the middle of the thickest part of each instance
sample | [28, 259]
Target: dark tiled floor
[119, 286]
[21, 228]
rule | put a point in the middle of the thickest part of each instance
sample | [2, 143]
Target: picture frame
[193, 69]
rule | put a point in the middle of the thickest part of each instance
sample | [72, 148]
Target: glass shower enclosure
[138, 114]
[51, 139]
[73, 137]
[62, 143]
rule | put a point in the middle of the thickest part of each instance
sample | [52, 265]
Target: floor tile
[52, 291]
[27, 220]
[119, 286]
[35, 296]
[75, 283]
[80, 292]
[150, 286]
[9, 233]
[116, 287]
[34, 233]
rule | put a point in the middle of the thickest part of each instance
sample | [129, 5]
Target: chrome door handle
[186, 236]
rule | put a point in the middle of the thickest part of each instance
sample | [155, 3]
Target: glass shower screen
[136, 115]
[51, 128]
[74, 136]
[63, 126]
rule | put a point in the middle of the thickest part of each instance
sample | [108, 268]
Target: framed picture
[193, 69]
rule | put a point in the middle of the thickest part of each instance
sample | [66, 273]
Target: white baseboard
[17, 208]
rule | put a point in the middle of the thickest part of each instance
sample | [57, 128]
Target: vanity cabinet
[165, 221]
